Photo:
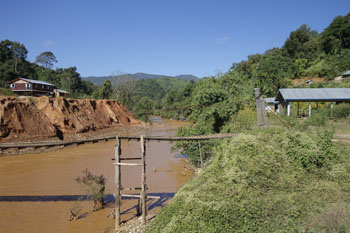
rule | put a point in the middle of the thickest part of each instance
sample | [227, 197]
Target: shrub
[245, 119]
[95, 187]
[318, 118]
[6, 92]
[341, 110]
[32, 100]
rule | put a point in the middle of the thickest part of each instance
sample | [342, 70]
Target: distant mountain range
[124, 77]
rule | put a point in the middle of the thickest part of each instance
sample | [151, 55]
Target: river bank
[37, 190]
[32, 119]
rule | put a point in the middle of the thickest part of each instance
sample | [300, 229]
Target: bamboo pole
[200, 153]
[136, 195]
[129, 164]
[143, 180]
[117, 153]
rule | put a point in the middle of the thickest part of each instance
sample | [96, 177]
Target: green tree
[294, 45]
[272, 72]
[13, 61]
[47, 59]
[19, 53]
[337, 35]
[144, 108]
[107, 90]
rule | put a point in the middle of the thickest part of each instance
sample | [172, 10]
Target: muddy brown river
[37, 190]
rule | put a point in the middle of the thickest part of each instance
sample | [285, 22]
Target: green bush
[341, 110]
[6, 92]
[244, 120]
[267, 182]
[318, 118]
[320, 69]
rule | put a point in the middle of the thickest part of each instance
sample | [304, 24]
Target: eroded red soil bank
[33, 119]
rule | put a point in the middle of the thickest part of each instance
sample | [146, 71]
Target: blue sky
[199, 37]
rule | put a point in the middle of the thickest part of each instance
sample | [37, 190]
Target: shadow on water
[181, 156]
[109, 198]
[164, 197]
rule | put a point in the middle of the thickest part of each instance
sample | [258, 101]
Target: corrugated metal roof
[271, 100]
[37, 81]
[347, 72]
[62, 91]
[314, 94]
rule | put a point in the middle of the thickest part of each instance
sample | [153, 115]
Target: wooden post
[263, 109]
[298, 110]
[139, 207]
[258, 107]
[143, 195]
[200, 153]
[332, 109]
[117, 153]
[309, 109]
[288, 108]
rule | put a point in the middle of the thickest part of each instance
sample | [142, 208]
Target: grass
[273, 180]
[6, 92]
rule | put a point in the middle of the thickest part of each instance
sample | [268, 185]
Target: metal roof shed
[346, 74]
[287, 95]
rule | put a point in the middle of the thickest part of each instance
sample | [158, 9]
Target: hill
[115, 80]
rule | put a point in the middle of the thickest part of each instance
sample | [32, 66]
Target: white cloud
[48, 43]
[222, 40]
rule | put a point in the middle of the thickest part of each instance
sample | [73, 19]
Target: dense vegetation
[274, 180]
[213, 103]
[290, 178]
[116, 79]
[144, 96]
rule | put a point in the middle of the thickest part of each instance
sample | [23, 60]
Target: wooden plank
[131, 158]
[117, 154]
[137, 196]
[143, 195]
[129, 164]
[131, 189]
[20, 145]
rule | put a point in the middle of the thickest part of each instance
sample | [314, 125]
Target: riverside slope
[23, 119]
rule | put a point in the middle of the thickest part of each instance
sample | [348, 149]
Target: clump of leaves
[32, 100]
[341, 110]
[95, 187]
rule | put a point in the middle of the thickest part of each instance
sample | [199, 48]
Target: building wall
[21, 85]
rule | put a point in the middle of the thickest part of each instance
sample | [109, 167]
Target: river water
[37, 190]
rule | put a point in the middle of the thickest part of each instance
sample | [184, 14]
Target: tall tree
[12, 60]
[19, 52]
[107, 90]
[47, 59]
[294, 45]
